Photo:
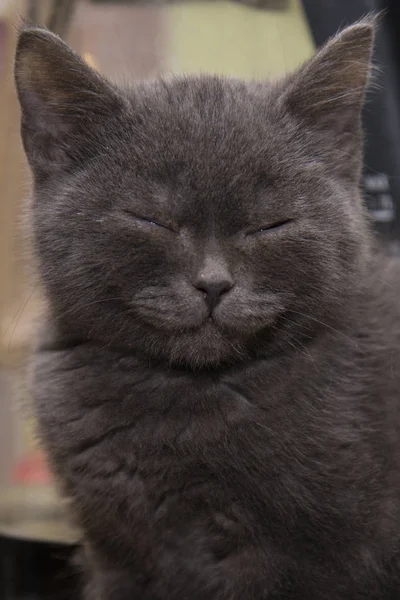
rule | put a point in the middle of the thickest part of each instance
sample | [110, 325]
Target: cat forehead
[203, 108]
[204, 123]
[201, 139]
[197, 92]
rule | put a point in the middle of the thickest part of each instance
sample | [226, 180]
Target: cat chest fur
[166, 457]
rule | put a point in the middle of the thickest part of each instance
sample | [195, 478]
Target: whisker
[325, 325]
[90, 304]
[18, 317]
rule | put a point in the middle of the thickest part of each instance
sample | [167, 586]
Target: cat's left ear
[327, 93]
[65, 104]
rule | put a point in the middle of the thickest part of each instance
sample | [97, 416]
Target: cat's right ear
[65, 104]
[326, 95]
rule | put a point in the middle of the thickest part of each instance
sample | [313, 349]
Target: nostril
[213, 290]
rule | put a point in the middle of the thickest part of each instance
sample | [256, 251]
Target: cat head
[198, 220]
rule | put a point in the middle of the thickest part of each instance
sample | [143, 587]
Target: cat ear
[64, 102]
[327, 93]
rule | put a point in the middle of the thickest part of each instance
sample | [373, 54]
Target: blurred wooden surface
[123, 42]
[12, 168]
[12, 181]
[16, 297]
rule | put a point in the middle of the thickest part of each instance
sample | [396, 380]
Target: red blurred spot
[32, 470]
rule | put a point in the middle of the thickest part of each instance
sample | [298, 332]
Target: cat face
[197, 220]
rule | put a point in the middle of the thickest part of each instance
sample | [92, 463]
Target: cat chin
[205, 347]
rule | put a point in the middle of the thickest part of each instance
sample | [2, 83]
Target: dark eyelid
[271, 227]
[148, 220]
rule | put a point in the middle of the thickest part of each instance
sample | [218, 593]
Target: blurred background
[132, 40]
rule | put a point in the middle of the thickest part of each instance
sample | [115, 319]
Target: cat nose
[213, 289]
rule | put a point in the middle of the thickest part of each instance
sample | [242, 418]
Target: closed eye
[148, 221]
[271, 227]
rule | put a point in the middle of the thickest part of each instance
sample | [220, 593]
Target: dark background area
[382, 111]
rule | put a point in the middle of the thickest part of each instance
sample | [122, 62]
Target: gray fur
[240, 448]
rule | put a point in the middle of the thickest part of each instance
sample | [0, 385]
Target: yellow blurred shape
[89, 58]
[231, 39]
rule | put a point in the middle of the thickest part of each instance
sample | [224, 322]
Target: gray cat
[217, 380]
